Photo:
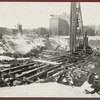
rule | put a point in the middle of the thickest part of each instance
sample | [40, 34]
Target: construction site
[65, 61]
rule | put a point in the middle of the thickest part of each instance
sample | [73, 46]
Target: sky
[37, 14]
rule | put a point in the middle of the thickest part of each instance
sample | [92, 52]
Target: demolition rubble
[46, 63]
[48, 66]
[67, 60]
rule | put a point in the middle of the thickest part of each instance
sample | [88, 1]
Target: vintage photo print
[49, 49]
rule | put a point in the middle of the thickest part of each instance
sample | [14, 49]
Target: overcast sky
[37, 14]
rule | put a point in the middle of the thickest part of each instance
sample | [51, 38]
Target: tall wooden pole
[73, 26]
[76, 26]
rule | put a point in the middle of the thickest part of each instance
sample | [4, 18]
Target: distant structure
[59, 25]
[91, 30]
[20, 29]
[0, 36]
[98, 30]
[41, 31]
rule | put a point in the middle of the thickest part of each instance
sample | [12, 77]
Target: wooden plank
[51, 51]
[27, 74]
[26, 69]
[17, 67]
[42, 72]
[47, 62]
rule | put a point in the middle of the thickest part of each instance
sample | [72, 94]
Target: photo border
[48, 98]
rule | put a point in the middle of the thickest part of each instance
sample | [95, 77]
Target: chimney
[20, 29]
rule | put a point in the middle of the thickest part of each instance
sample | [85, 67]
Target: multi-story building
[59, 25]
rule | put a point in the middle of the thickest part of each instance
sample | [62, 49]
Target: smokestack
[20, 29]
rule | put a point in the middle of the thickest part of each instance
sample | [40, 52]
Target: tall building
[59, 25]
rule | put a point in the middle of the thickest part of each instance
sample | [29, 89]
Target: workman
[94, 80]
[47, 43]
[95, 85]
[2, 81]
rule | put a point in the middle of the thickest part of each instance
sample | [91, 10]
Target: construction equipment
[77, 36]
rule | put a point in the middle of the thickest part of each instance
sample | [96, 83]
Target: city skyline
[37, 14]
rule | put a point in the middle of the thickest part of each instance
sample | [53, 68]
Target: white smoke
[21, 45]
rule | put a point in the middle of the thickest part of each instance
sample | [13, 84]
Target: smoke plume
[21, 45]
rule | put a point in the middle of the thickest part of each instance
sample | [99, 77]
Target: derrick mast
[76, 27]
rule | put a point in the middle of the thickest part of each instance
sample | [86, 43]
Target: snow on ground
[22, 45]
[4, 65]
[94, 41]
[5, 58]
[47, 89]
[1, 50]
[94, 37]
[23, 58]
[60, 41]
[52, 89]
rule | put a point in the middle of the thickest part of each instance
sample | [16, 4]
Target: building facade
[59, 25]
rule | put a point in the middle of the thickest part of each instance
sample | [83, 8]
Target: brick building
[59, 25]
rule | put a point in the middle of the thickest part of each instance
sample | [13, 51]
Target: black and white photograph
[50, 49]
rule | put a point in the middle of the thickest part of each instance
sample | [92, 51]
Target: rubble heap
[71, 69]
